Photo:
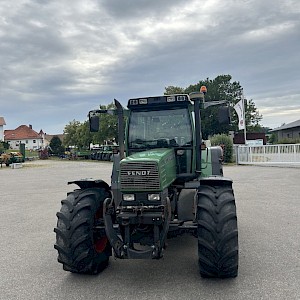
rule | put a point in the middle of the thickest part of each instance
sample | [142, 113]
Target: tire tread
[217, 232]
[74, 232]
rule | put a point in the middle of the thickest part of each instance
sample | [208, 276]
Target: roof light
[171, 99]
[143, 101]
[134, 102]
[181, 98]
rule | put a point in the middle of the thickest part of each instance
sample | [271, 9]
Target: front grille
[139, 176]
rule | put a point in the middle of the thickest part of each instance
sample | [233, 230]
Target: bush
[56, 147]
[289, 141]
[3, 146]
[225, 142]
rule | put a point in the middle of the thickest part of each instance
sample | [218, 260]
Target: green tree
[108, 128]
[78, 134]
[84, 136]
[171, 90]
[252, 117]
[221, 88]
[56, 146]
[70, 132]
[273, 139]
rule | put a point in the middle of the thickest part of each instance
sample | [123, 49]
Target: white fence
[284, 154]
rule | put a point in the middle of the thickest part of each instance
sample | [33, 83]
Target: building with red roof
[23, 135]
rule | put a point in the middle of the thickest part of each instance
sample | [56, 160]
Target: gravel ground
[268, 205]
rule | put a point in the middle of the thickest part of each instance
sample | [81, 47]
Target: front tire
[217, 232]
[82, 248]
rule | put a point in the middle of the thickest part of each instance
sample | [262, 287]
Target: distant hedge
[289, 141]
[226, 143]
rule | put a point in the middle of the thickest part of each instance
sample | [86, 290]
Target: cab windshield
[157, 129]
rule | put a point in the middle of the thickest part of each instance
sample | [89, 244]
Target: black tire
[82, 249]
[217, 232]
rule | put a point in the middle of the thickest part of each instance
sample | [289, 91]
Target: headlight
[153, 197]
[128, 197]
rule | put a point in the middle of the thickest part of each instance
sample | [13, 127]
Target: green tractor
[165, 182]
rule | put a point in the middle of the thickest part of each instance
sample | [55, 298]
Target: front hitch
[125, 249]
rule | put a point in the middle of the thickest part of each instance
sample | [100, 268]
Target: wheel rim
[100, 244]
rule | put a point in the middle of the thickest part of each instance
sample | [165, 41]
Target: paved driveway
[268, 203]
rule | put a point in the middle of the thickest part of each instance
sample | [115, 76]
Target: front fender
[216, 180]
[212, 181]
[91, 183]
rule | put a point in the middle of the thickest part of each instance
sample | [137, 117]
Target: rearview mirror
[224, 115]
[94, 123]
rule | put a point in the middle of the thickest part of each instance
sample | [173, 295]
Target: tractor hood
[151, 170]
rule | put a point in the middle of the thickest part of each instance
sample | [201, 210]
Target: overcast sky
[61, 58]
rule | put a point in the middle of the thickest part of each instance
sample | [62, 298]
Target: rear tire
[82, 249]
[217, 232]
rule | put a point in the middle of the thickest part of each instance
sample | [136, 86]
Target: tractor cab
[162, 122]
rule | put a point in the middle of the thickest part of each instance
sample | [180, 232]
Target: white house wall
[1, 133]
[30, 144]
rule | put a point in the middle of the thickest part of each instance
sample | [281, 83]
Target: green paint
[160, 161]
[206, 163]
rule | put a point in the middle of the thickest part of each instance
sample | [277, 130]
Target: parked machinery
[165, 182]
